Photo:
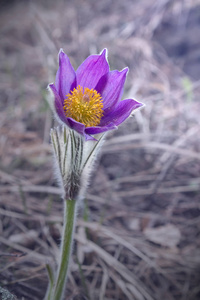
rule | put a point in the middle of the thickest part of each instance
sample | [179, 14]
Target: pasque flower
[87, 103]
[89, 100]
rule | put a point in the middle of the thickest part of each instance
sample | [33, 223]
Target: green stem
[66, 246]
[51, 281]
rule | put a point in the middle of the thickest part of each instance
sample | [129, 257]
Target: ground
[138, 230]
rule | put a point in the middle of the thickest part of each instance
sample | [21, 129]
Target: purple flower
[88, 100]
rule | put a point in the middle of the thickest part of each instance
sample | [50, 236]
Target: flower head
[89, 100]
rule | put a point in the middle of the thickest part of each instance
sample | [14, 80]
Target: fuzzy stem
[66, 246]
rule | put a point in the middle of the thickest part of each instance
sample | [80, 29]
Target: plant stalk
[66, 248]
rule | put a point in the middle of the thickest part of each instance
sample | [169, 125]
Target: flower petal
[79, 127]
[100, 129]
[58, 104]
[121, 112]
[65, 77]
[111, 87]
[91, 70]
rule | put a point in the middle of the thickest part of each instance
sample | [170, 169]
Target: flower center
[84, 106]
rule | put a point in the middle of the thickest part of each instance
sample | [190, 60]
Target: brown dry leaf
[167, 235]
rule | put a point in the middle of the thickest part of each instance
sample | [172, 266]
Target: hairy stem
[66, 247]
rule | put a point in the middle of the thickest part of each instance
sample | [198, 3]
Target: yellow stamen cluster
[84, 106]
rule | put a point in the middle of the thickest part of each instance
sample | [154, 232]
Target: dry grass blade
[32, 254]
[140, 292]
[121, 241]
[153, 145]
[150, 191]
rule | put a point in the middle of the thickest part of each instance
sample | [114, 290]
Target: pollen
[84, 106]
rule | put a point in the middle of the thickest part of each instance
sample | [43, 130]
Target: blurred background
[138, 231]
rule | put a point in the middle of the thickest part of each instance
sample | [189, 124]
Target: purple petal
[91, 70]
[58, 104]
[79, 127]
[65, 77]
[121, 112]
[110, 86]
[100, 129]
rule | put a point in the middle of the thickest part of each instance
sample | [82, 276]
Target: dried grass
[147, 184]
